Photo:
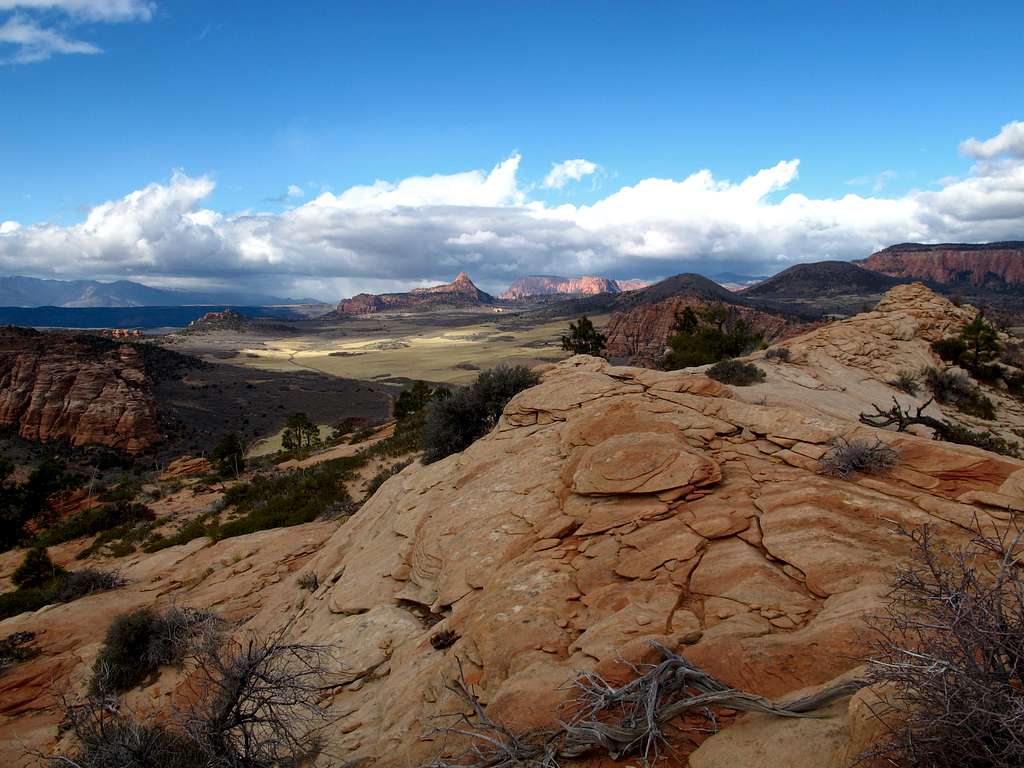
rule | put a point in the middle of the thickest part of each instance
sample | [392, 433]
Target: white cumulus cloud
[427, 228]
[568, 170]
[1009, 141]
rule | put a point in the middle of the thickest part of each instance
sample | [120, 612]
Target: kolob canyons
[608, 508]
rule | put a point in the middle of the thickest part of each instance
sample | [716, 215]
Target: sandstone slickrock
[609, 507]
[53, 387]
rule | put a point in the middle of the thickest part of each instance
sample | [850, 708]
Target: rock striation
[461, 292]
[995, 266]
[609, 507]
[551, 285]
[58, 387]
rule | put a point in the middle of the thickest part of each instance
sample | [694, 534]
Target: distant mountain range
[34, 292]
[553, 285]
[461, 292]
[822, 278]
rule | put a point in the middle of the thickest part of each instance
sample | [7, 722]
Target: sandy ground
[450, 347]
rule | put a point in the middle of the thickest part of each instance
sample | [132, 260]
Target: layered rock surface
[461, 292]
[988, 265]
[551, 285]
[53, 387]
[609, 507]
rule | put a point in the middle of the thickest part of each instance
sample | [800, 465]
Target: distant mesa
[461, 292]
[554, 285]
[992, 266]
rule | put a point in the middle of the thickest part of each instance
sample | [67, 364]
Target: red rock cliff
[53, 387]
[990, 265]
[550, 285]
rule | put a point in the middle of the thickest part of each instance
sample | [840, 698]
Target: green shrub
[63, 587]
[36, 569]
[956, 389]
[782, 354]
[714, 333]
[381, 477]
[16, 648]
[191, 530]
[989, 441]
[287, 498]
[736, 373]
[416, 397]
[454, 422]
[140, 642]
[95, 520]
[229, 456]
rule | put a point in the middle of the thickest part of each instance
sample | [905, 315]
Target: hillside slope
[461, 292]
[609, 507]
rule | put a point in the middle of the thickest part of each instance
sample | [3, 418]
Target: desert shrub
[416, 397]
[454, 422]
[140, 642]
[61, 587]
[782, 354]
[379, 479]
[736, 373]
[16, 648]
[119, 541]
[86, 581]
[956, 389]
[22, 502]
[907, 382]
[308, 581]
[950, 349]
[228, 456]
[584, 339]
[124, 491]
[95, 520]
[848, 457]
[190, 531]
[255, 706]
[300, 435]
[36, 569]
[948, 651]
[714, 333]
[407, 437]
[982, 438]
[361, 435]
[287, 498]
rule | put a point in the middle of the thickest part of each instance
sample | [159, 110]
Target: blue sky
[874, 99]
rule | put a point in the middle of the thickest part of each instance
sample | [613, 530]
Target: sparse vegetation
[907, 382]
[780, 354]
[27, 501]
[956, 389]
[737, 373]
[40, 582]
[228, 456]
[379, 479]
[95, 520]
[712, 334]
[848, 457]
[584, 339]
[308, 581]
[947, 653]
[140, 642]
[453, 423]
[16, 648]
[416, 397]
[255, 705]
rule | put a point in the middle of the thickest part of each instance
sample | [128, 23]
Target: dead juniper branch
[847, 457]
[903, 418]
[950, 648]
[619, 721]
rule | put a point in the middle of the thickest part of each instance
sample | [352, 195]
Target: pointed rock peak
[462, 279]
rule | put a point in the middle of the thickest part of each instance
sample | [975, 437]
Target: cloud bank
[25, 39]
[427, 228]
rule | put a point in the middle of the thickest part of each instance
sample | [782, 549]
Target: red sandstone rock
[461, 292]
[549, 285]
[53, 387]
[993, 265]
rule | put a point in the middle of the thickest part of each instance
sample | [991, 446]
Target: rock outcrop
[609, 507]
[552, 285]
[55, 387]
[640, 333]
[461, 292]
[995, 266]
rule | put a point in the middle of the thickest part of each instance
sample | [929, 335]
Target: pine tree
[584, 338]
